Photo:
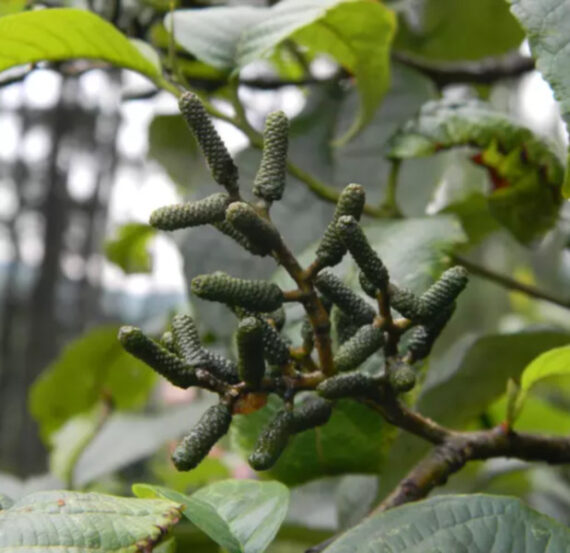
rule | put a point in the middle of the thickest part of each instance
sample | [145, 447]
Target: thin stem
[511, 284]
[389, 205]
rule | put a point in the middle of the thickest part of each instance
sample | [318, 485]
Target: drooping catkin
[352, 384]
[157, 357]
[269, 182]
[272, 441]
[258, 231]
[351, 202]
[423, 337]
[341, 295]
[217, 155]
[366, 258]
[365, 342]
[251, 365]
[191, 214]
[213, 424]
[443, 292]
[255, 295]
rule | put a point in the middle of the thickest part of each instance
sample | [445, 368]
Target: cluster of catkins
[267, 363]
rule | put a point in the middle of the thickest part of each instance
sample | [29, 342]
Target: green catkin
[213, 424]
[354, 384]
[191, 214]
[157, 357]
[369, 289]
[217, 156]
[186, 338]
[406, 303]
[272, 441]
[369, 263]
[167, 340]
[443, 292]
[351, 202]
[275, 349]
[259, 232]
[269, 182]
[367, 341]
[251, 365]
[343, 325]
[314, 411]
[423, 337]
[255, 295]
[402, 377]
[221, 368]
[225, 227]
[341, 295]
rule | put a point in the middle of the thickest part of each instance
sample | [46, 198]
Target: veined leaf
[242, 516]
[63, 33]
[356, 33]
[547, 24]
[466, 523]
[526, 176]
[58, 521]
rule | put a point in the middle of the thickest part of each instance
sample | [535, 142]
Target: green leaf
[85, 523]
[12, 6]
[525, 175]
[451, 30]
[458, 391]
[129, 249]
[242, 516]
[355, 440]
[356, 33]
[91, 369]
[547, 24]
[172, 145]
[553, 363]
[61, 34]
[466, 523]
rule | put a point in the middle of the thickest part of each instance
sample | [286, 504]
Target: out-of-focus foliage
[129, 249]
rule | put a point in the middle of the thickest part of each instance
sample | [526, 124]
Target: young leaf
[526, 176]
[129, 250]
[242, 516]
[85, 523]
[547, 24]
[466, 523]
[555, 362]
[29, 37]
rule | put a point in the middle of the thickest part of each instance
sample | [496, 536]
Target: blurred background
[87, 152]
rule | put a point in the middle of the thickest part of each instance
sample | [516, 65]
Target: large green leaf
[243, 516]
[553, 363]
[12, 6]
[461, 389]
[91, 369]
[61, 34]
[547, 24]
[356, 33]
[452, 30]
[129, 248]
[58, 521]
[354, 440]
[466, 523]
[525, 175]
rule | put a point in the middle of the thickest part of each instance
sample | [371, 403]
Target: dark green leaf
[92, 368]
[466, 523]
[85, 523]
[129, 249]
[547, 24]
[243, 516]
[525, 175]
[354, 440]
[451, 30]
[61, 34]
